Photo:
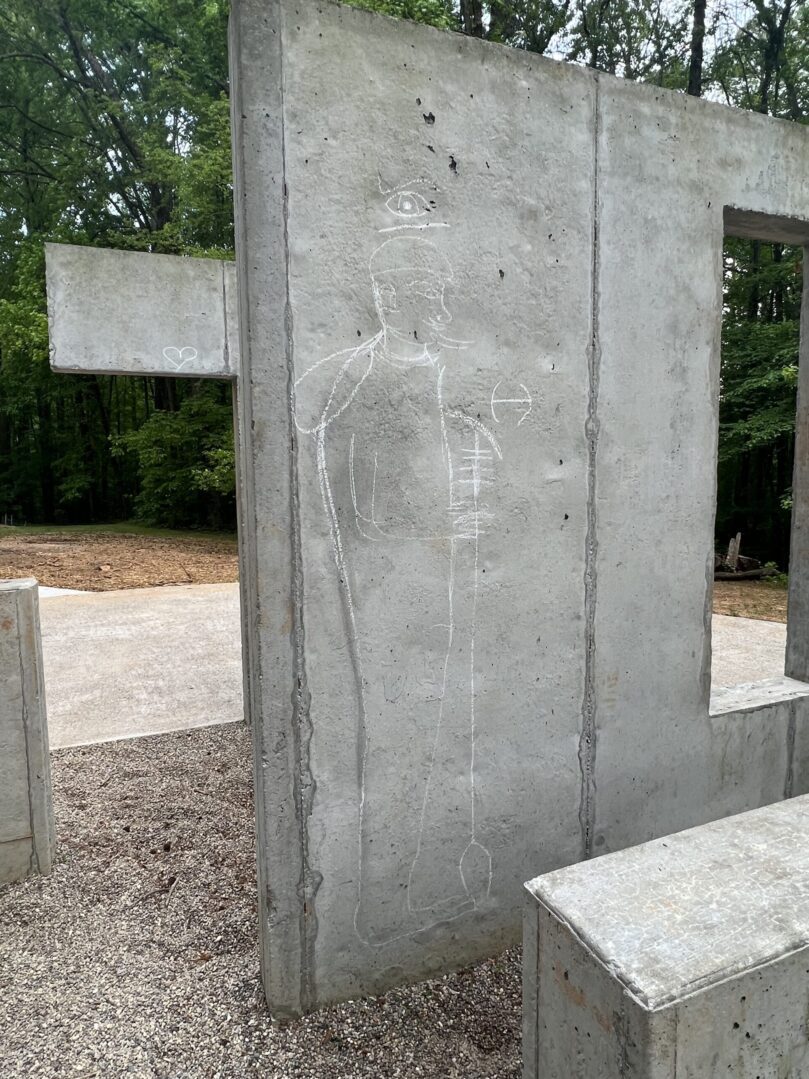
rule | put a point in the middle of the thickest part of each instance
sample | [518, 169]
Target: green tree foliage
[114, 131]
[757, 402]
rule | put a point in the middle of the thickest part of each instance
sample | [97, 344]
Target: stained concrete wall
[681, 958]
[480, 310]
[26, 811]
[127, 312]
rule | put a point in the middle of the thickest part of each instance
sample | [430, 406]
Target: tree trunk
[697, 41]
[472, 17]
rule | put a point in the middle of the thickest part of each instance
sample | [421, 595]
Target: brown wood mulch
[751, 599]
[102, 561]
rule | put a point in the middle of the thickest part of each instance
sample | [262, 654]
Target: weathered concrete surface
[682, 958]
[745, 650]
[480, 303]
[141, 661]
[126, 312]
[26, 808]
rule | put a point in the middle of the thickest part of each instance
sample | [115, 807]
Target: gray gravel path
[138, 957]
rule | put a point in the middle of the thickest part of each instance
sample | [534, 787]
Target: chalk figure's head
[409, 276]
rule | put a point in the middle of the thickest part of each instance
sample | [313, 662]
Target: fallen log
[745, 574]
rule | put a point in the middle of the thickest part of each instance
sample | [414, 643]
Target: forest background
[114, 132]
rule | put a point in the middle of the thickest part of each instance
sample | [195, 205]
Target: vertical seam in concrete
[33, 858]
[676, 1042]
[304, 780]
[587, 738]
[789, 780]
[226, 346]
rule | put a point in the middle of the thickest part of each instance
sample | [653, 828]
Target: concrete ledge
[682, 957]
[26, 810]
[752, 696]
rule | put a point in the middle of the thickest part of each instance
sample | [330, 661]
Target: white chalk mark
[179, 357]
[413, 270]
[426, 225]
[526, 402]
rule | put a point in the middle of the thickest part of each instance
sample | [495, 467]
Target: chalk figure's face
[411, 305]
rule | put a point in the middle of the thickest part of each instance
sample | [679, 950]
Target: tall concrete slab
[417, 316]
[26, 809]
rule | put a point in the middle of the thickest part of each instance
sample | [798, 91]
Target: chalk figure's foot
[476, 871]
[376, 930]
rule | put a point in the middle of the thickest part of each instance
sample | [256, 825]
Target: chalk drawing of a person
[403, 476]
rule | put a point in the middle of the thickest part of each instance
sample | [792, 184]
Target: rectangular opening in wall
[757, 484]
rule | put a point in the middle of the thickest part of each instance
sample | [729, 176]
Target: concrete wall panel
[668, 166]
[127, 312]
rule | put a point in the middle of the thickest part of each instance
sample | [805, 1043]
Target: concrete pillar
[683, 957]
[26, 808]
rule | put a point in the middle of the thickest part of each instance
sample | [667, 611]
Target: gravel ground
[137, 956]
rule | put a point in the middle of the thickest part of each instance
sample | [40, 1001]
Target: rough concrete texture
[133, 313]
[141, 661]
[26, 809]
[681, 958]
[469, 655]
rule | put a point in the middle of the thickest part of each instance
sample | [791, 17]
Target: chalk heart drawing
[407, 482]
[177, 358]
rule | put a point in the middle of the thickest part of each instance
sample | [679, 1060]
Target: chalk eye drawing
[408, 204]
[408, 483]
[412, 204]
[513, 398]
[177, 358]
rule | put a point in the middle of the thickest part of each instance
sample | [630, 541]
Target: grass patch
[123, 528]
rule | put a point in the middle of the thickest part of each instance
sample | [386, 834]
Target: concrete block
[682, 958]
[128, 312]
[26, 811]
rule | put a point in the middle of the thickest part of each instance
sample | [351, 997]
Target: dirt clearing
[102, 561]
[751, 599]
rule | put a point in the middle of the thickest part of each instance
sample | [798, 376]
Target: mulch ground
[102, 561]
[138, 955]
[750, 599]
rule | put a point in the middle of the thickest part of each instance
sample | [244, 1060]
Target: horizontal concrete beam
[26, 811]
[682, 957]
[130, 313]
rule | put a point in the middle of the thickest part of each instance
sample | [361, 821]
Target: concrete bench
[26, 808]
[683, 958]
